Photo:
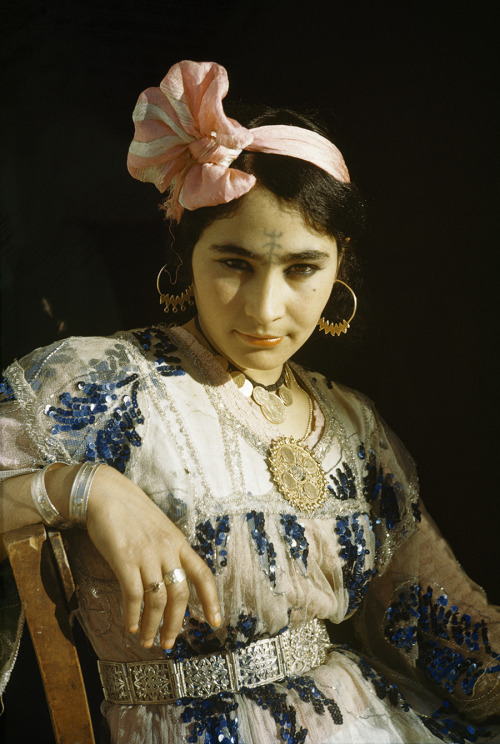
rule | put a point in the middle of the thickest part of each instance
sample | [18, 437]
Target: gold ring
[154, 587]
[174, 577]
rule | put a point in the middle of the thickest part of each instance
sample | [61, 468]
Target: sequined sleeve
[72, 401]
[423, 618]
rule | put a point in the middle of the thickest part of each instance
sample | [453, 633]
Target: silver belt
[268, 660]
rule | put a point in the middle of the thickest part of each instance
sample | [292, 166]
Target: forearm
[16, 504]
[139, 543]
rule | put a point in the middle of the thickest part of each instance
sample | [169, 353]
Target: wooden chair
[47, 592]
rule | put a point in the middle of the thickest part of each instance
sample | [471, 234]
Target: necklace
[295, 470]
[297, 473]
[272, 399]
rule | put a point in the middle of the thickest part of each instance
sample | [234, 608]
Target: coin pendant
[260, 395]
[274, 410]
[238, 378]
[247, 389]
[288, 376]
[285, 395]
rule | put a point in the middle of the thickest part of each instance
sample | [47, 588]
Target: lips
[262, 341]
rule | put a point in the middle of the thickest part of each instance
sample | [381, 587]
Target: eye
[302, 270]
[236, 264]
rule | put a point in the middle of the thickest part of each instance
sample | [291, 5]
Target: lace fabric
[155, 405]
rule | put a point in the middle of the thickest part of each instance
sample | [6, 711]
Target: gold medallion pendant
[297, 474]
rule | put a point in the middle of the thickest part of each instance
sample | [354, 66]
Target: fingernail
[168, 645]
[217, 619]
[133, 629]
[147, 644]
[167, 650]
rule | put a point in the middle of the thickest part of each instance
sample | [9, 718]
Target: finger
[200, 575]
[132, 594]
[155, 599]
[175, 611]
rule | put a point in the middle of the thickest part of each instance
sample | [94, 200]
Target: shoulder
[356, 410]
[97, 359]
[67, 356]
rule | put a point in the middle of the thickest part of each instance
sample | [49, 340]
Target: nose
[265, 297]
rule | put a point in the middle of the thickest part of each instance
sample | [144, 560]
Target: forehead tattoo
[272, 245]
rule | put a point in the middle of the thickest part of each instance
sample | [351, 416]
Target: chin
[264, 359]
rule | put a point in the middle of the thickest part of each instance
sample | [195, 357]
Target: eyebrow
[308, 254]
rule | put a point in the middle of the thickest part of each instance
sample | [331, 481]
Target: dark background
[411, 89]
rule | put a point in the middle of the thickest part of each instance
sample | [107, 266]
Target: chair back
[47, 593]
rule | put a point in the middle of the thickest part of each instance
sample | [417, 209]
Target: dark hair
[329, 206]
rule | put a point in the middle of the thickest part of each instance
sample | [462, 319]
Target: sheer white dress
[422, 660]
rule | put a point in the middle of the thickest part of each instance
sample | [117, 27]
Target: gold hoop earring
[174, 302]
[335, 329]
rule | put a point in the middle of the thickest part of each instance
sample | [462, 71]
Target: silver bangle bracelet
[43, 504]
[79, 497]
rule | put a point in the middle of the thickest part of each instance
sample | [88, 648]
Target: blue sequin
[416, 617]
[387, 492]
[268, 698]
[265, 548]
[448, 728]
[344, 483]
[309, 693]
[156, 341]
[31, 374]
[199, 638]
[49, 358]
[380, 487]
[245, 628]
[284, 714]
[294, 534]
[112, 443]
[351, 536]
[214, 719]
[216, 715]
[383, 688]
[6, 392]
[176, 509]
[211, 545]
[383, 492]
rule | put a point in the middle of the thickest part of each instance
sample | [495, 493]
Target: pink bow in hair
[185, 142]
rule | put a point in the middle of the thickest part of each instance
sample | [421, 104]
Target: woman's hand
[141, 545]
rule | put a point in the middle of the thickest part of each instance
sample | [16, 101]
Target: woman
[232, 502]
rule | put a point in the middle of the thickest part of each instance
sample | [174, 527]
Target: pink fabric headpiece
[183, 140]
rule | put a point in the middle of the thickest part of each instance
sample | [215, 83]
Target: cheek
[313, 304]
[214, 292]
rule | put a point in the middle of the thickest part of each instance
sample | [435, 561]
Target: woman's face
[261, 278]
